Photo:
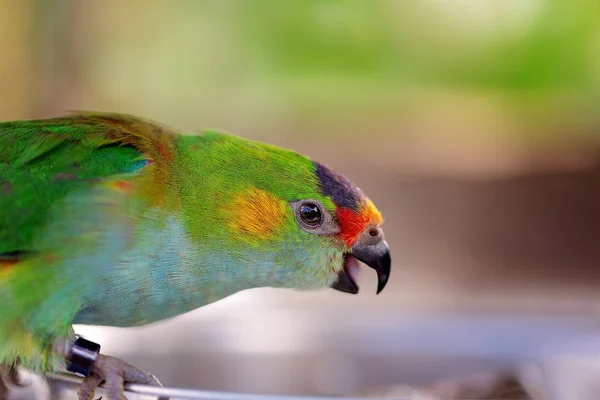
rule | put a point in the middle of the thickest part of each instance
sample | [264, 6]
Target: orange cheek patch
[123, 186]
[352, 224]
[257, 214]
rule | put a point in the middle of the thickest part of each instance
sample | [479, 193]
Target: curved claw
[9, 376]
[114, 373]
[87, 388]
[12, 377]
[3, 387]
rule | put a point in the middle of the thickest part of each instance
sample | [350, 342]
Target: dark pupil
[310, 214]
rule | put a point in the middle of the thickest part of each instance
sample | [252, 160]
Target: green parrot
[110, 219]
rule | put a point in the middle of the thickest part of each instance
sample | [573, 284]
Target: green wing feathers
[41, 161]
[65, 165]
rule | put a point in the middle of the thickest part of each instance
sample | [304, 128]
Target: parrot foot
[3, 387]
[114, 373]
[9, 375]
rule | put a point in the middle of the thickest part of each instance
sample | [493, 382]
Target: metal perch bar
[67, 383]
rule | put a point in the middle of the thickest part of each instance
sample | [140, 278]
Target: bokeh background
[473, 125]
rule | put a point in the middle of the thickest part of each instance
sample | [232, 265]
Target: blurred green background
[451, 70]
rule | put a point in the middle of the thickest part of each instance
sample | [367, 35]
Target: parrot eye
[314, 218]
[310, 214]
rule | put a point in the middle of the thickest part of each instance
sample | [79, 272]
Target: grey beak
[376, 256]
[345, 283]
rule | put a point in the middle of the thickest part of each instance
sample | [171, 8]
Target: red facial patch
[124, 186]
[7, 265]
[353, 224]
[165, 152]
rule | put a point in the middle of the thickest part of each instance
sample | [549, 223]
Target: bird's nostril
[374, 232]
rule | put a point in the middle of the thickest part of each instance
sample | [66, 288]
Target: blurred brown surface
[537, 229]
[482, 386]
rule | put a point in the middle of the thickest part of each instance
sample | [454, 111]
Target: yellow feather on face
[256, 214]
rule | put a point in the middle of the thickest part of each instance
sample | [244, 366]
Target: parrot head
[293, 221]
[354, 223]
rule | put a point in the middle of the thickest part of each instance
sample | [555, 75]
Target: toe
[114, 372]
[87, 388]
[133, 374]
[114, 385]
[3, 390]
[12, 377]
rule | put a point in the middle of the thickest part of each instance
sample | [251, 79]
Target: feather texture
[109, 219]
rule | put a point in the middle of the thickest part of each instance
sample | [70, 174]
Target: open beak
[376, 256]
